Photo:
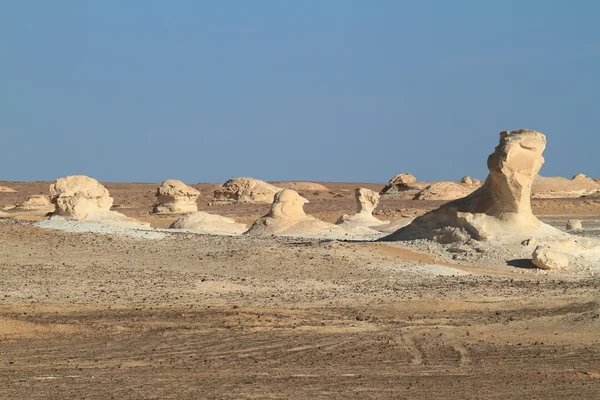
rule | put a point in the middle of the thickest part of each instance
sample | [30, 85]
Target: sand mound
[301, 186]
[6, 189]
[248, 190]
[209, 223]
[559, 187]
[287, 217]
[175, 197]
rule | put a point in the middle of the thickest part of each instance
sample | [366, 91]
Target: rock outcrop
[209, 223]
[287, 217]
[78, 196]
[302, 186]
[175, 197]
[559, 187]
[403, 186]
[6, 189]
[366, 202]
[544, 257]
[247, 190]
[446, 191]
[573, 224]
[35, 203]
[498, 210]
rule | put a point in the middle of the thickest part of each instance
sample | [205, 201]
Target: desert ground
[96, 316]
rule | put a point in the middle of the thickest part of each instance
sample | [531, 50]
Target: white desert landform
[249, 289]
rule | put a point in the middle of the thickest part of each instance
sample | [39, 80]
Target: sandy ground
[96, 316]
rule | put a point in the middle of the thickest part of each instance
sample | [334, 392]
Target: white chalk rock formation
[287, 217]
[544, 257]
[175, 197]
[209, 223]
[80, 197]
[6, 189]
[466, 180]
[77, 196]
[404, 186]
[446, 191]
[247, 190]
[35, 203]
[498, 210]
[573, 224]
[366, 202]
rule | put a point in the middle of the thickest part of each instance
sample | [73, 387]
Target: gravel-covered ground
[91, 315]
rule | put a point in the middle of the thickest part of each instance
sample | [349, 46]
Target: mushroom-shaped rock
[175, 197]
[573, 224]
[209, 223]
[36, 203]
[248, 190]
[501, 208]
[366, 202]
[545, 257]
[287, 217]
[78, 196]
[446, 191]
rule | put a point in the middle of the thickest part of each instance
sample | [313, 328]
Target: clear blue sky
[293, 90]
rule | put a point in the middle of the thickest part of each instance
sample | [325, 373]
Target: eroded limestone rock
[287, 217]
[573, 224]
[77, 196]
[248, 190]
[35, 203]
[545, 257]
[366, 202]
[6, 189]
[500, 208]
[403, 186]
[175, 197]
[446, 191]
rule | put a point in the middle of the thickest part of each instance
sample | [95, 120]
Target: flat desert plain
[98, 316]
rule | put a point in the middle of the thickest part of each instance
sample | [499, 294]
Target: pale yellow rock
[6, 189]
[545, 257]
[366, 202]
[248, 190]
[175, 197]
[287, 217]
[467, 180]
[302, 186]
[446, 191]
[36, 202]
[573, 224]
[83, 198]
[209, 223]
[404, 186]
[559, 187]
[501, 208]
[77, 196]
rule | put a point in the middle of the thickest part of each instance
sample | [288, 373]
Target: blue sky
[354, 91]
